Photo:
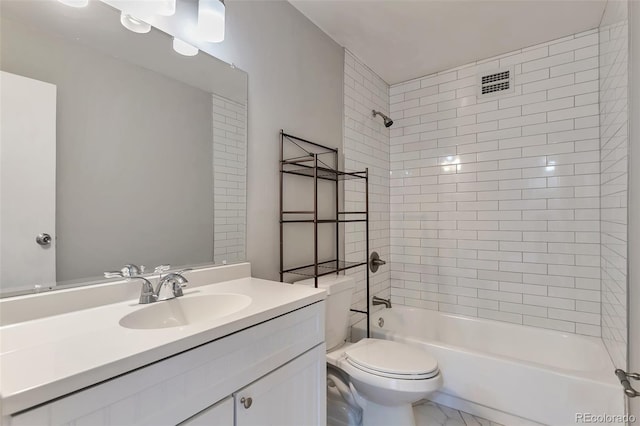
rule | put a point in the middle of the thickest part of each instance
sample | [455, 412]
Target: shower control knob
[43, 239]
[246, 402]
[375, 262]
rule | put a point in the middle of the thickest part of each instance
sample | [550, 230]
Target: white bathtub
[508, 372]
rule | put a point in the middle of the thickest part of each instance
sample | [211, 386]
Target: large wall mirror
[114, 149]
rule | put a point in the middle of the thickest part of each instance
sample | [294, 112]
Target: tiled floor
[431, 414]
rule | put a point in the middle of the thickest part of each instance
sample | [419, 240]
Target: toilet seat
[397, 375]
[391, 359]
[392, 375]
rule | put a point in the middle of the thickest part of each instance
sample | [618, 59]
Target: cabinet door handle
[246, 402]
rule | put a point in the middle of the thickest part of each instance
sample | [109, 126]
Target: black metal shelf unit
[319, 162]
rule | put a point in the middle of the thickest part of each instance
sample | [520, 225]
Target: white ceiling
[401, 40]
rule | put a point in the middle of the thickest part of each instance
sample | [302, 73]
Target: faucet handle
[131, 270]
[170, 286]
[177, 288]
[113, 274]
[179, 282]
[146, 293]
[162, 268]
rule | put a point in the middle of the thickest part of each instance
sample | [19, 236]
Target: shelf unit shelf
[323, 220]
[324, 268]
[324, 173]
[311, 161]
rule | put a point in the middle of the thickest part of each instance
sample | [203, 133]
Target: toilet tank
[339, 291]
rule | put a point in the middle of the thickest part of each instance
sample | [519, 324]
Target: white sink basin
[184, 311]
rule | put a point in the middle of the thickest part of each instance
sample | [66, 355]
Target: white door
[27, 182]
[634, 353]
[633, 299]
[292, 395]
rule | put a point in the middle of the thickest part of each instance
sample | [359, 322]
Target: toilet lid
[392, 359]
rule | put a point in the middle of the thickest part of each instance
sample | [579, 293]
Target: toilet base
[384, 415]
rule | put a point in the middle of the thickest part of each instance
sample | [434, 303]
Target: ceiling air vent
[495, 83]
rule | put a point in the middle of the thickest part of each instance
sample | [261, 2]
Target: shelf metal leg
[337, 215]
[315, 218]
[366, 191]
[281, 207]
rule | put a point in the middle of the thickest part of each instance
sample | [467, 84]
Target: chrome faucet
[147, 295]
[170, 286]
[380, 301]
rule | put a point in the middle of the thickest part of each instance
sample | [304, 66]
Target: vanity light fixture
[75, 3]
[134, 24]
[184, 48]
[211, 16]
[166, 7]
[145, 9]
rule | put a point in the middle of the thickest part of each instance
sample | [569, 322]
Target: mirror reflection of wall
[150, 149]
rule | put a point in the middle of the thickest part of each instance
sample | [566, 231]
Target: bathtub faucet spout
[380, 301]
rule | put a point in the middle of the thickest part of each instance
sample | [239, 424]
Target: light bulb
[184, 48]
[75, 3]
[211, 20]
[134, 24]
[145, 9]
[166, 7]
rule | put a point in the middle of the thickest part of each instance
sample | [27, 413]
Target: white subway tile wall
[229, 180]
[366, 145]
[614, 182]
[495, 202]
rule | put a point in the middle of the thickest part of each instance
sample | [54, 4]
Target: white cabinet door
[27, 181]
[294, 394]
[220, 414]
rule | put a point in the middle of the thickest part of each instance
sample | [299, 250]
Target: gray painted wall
[153, 204]
[295, 83]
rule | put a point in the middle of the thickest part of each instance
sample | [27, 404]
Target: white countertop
[46, 358]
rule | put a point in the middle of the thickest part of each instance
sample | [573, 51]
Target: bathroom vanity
[256, 358]
[233, 349]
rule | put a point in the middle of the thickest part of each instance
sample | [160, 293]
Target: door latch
[43, 239]
[624, 377]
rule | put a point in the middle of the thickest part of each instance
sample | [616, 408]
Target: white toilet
[384, 377]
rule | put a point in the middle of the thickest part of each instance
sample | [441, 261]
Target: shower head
[387, 121]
